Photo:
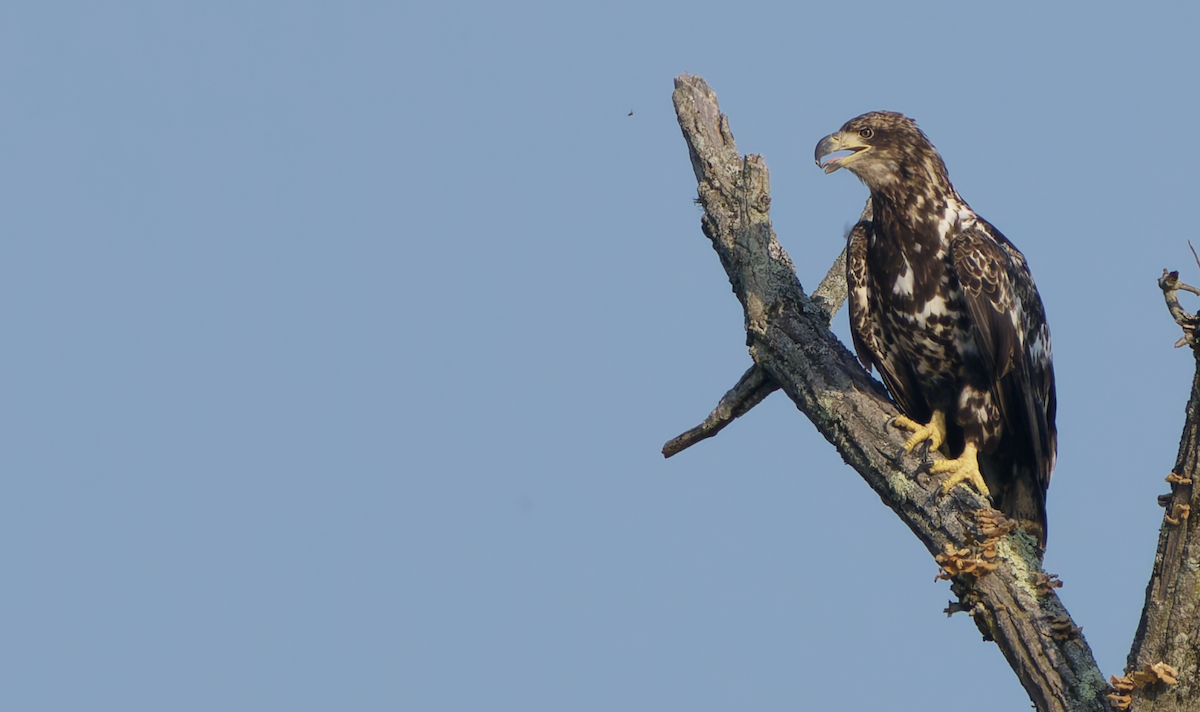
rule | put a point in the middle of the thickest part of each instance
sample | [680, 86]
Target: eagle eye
[866, 133]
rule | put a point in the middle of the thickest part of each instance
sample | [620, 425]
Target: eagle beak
[834, 143]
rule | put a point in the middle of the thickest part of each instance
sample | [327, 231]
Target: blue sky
[341, 340]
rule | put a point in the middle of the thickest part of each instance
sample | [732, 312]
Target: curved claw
[963, 470]
[923, 452]
[926, 452]
[925, 437]
[931, 434]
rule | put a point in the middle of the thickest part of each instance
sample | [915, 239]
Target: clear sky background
[340, 340]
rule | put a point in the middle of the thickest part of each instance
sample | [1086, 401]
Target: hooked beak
[833, 143]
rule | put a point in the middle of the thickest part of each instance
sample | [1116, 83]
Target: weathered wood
[755, 384]
[1169, 630]
[1005, 591]
[750, 390]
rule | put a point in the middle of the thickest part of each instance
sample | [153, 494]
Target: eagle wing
[1014, 344]
[867, 331]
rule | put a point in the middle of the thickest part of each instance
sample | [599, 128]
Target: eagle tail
[1016, 492]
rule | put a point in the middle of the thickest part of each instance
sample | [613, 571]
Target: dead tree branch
[750, 390]
[1169, 629]
[755, 384]
[995, 570]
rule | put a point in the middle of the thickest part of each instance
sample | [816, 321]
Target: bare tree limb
[1169, 630]
[754, 385]
[994, 568]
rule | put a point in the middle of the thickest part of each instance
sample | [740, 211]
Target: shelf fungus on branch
[1177, 480]
[1046, 583]
[1149, 675]
[970, 560]
[1179, 512]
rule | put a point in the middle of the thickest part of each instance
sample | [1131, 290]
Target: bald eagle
[945, 308]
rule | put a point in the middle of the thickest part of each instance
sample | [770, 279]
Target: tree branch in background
[1165, 645]
[994, 569]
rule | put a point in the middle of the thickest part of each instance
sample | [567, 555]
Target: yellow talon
[934, 432]
[963, 469]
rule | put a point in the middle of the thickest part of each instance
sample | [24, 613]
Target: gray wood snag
[994, 568]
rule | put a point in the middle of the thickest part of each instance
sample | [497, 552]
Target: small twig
[754, 386]
[1194, 255]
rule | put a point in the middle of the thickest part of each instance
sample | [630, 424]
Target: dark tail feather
[1016, 492]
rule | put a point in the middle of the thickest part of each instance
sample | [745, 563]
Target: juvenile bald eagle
[945, 308]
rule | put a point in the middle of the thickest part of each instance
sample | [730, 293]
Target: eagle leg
[932, 434]
[963, 469]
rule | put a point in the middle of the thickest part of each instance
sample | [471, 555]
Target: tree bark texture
[995, 569]
[1169, 631]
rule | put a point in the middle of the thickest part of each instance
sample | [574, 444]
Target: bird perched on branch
[945, 308]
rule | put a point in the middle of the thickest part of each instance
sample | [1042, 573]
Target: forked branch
[994, 568]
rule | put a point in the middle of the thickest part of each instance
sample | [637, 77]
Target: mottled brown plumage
[944, 306]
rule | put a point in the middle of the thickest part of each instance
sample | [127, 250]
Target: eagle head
[887, 152]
